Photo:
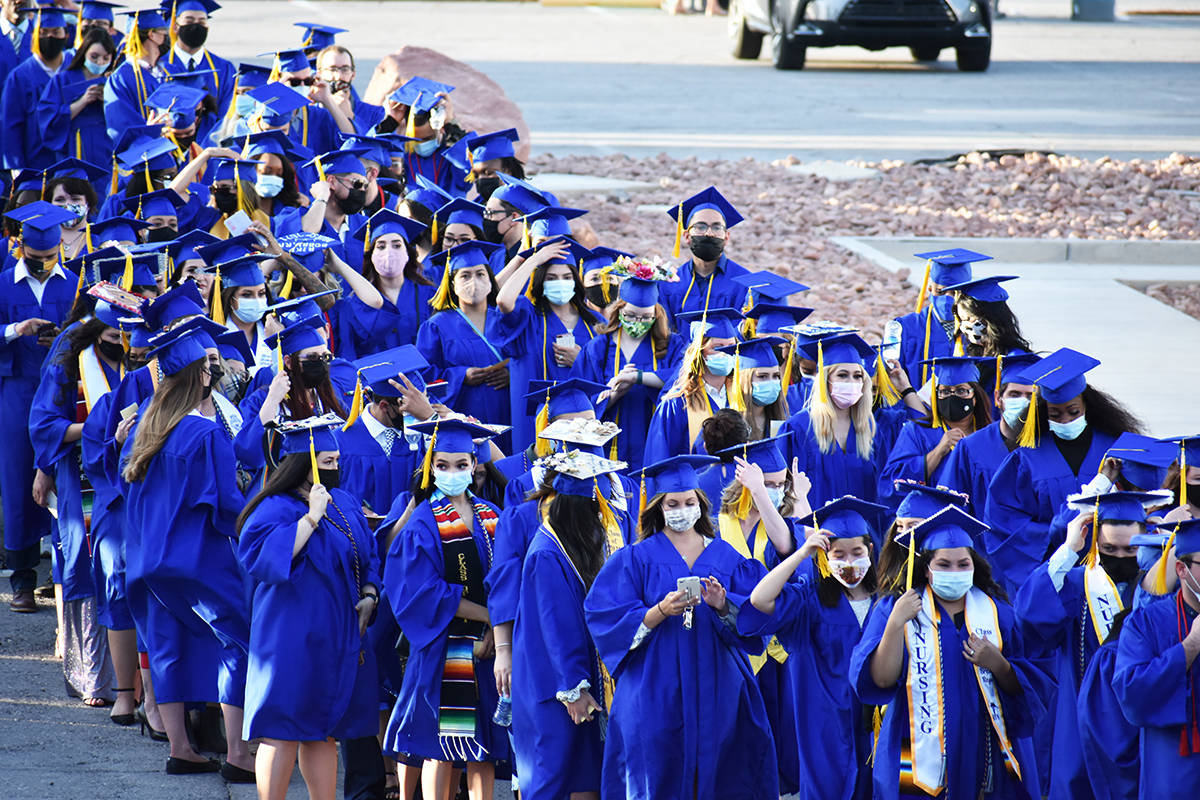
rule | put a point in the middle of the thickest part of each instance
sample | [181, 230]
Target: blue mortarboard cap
[1144, 461]
[146, 148]
[718, 323]
[225, 250]
[460, 211]
[41, 224]
[756, 353]
[227, 169]
[638, 292]
[309, 435]
[244, 271]
[183, 300]
[1187, 536]
[452, 435]
[774, 317]
[386, 221]
[428, 194]
[377, 371]
[316, 35]
[147, 19]
[117, 229]
[601, 257]
[273, 142]
[201, 324]
[252, 76]
[115, 317]
[74, 168]
[162, 203]
[922, 502]
[847, 518]
[195, 79]
[768, 285]
[139, 334]
[278, 102]
[1188, 446]
[146, 266]
[571, 396]
[296, 337]
[178, 348]
[950, 527]
[88, 266]
[953, 370]
[951, 266]
[291, 60]
[552, 221]
[49, 16]
[764, 453]
[372, 148]
[300, 308]
[1013, 364]
[1121, 506]
[180, 6]
[710, 198]
[467, 254]
[28, 180]
[98, 10]
[1061, 376]
[420, 94]
[234, 346]
[183, 247]
[574, 255]
[489, 146]
[576, 487]
[987, 290]
[340, 162]
[523, 196]
[675, 474]
[840, 348]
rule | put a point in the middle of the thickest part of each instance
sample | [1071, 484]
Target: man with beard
[189, 28]
[20, 138]
[341, 194]
[335, 67]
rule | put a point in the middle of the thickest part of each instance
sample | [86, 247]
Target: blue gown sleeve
[860, 659]
[423, 602]
[54, 113]
[429, 343]
[614, 608]
[1017, 540]
[906, 461]
[1044, 613]
[504, 578]
[1150, 680]
[547, 578]
[250, 443]
[221, 494]
[12, 134]
[49, 420]
[1109, 743]
[266, 542]
[122, 106]
[99, 457]
[791, 617]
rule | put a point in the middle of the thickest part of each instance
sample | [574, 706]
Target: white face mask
[681, 519]
[850, 573]
[1069, 431]
[1189, 582]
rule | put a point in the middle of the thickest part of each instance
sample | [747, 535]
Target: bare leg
[435, 780]
[273, 768]
[122, 646]
[410, 778]
[153, 715]
[481, 780]
[172, 716]
[318, 765]
[237, 751]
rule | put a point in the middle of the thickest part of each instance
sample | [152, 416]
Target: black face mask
[330, 478]
[225, 200]
[595, 296]
[1193, 493]
[51, 46]
[113, 351]
[707, 248]
[313, 373]
[135, 363]
[193, 35]
[485, 186]
[163, 234]
[955, 409]
[37, 267]
[353, 202]
[215, 373]
[1122, 569]
[491, 231]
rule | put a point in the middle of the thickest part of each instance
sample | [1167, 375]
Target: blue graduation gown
[833, 744]
[691, 291]
[1108, 741]
[1155, 690]
[84, 137]
[906, 460]
[668, 431]
[124, 101]
[1059, 623]
[972, 463]
[218, 83]
[424, 604]
[531, 336]
[313, 128]
[303, 613]
[1023, 497]
[552, 652]
[687, 719]
[193, 619]
[713, 481]
[451, 344]
[965, 722]
[369, 474]
[912, 337]
[21, 360]
[373, 330]
[838, 472]
[108, 520]
[435, 168]
[11, 56]
[20, 137]
[598, 362]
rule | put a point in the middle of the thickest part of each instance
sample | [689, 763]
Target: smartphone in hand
[691, 584]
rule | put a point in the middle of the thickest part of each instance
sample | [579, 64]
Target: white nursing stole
[92, 377]
[1103, 600]
[926, 698]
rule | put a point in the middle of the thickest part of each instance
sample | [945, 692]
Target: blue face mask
[775, 494]
[94, 68]
[244, 105]
[1014, 407]
[250, 309]
[559, 291]
[268, 185]
[765, 392]
[452, 484]
[951, 585]
[1069, 430]
[719, 363]
[426, 148]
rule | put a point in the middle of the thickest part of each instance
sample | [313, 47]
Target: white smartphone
[237, 223]
[565, 340]
[692, 586]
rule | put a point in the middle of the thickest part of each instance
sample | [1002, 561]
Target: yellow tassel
[279, 359]
[133, 44]
[79, 35]
[678, 230]
[356, 406]
[1183, 468]
[112, 186]
[822, 378]
[912, 557]
[925, 347]
[173, 30]
[286, 291]
[243, 200]
[87, 236]
[788, 366]
[607, 518]
[276, 70]
[433, 229]
[367, 244]
[737, 401]
[526, 241]
[641, 500]
[1029, 432]
[750, 328]
[320, 169]
[441, 298]
[410, 128]
[542, 447]
[885, 390]
[822, 561]
[79, 285]
[934, 419]
[37, 32]
[999, 361]
[529, 292]
[924, 285]
[218, 313]
[427, 462]
[1093, 554]
[743, 503]
[1159, 584]
[127, 277]
[312, 457]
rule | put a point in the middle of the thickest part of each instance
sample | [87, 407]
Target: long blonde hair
[823, 413]
[775, 411]
[174, 399]
[689, 383]
[732, 493]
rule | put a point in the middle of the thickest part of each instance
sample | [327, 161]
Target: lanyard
[478, 333]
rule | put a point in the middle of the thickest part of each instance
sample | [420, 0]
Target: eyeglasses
[454, 241]
[321, 357]
[945, 392]
[631, 319]
[352, 184]
[703, 229]
[338, 70]
[494, 213]
[309, 81]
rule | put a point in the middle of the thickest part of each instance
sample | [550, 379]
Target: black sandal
[124, 720]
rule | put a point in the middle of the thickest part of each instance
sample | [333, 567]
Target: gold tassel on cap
[822, 378]
[37, 33]
[218, 313]
[427, 461]
[127, 276]
[433, 229]
[1093, 554]
[788, 365]
[999, 361]
[924, 285]
[320, 169]
[737, 401]
[312, 456]
[410, 128]
[1183, 468]
[356, 406]
[441, 298]
[1159, 584]
[1029, 431]
[542, 447]
[678, 230]
[885, 390]
[607, 518]
[286, 291]
[912, 555]
[934, 419]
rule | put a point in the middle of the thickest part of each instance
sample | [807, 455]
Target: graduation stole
[93, 383]
[1103, 599]
[731, 532]
[923, 761]
[463, 567]
[608, 685]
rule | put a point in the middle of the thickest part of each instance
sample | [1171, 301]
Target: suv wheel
[974, 56]
[925, 53]
[786, 53]
[743, 42]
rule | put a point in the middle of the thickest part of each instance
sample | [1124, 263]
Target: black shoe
[232, 773]
[155, 735]
[46, 590]
[181, 766]
[23, 602]
[124, 720]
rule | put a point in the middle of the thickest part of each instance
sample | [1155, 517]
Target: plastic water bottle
[503, 715]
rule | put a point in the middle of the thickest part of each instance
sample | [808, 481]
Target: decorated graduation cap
[115, 317]
[296, 337]
[493, 145]
[41, 224]
[522, 195]
[308, 248]
[125, 269]
[318, 36]
[75, 168]
[183, 300]
[552, 221]
[178, 100]
[987, 290]
[1144, 461]
[178, 348]
[312, 434]
[277, 102]
[420, 94]
[549, 400]
[639, 292]
[385, 221]
[161, 203]
[575, 473]
[468, 254]
[375, 373]
[710, 199]
[921, 501]
[233, 346]
[716, 323]
[601, 257]
[1059, 378]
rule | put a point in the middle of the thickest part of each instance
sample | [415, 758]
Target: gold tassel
[924, 285]
[641, 500]
[367, 244]
[885, 390]
[218, 313]
[934, 419]
[286, 291]
[822, 561]
[542, 447]
[279, 358]
[678, 230]
[79, 285]
[999, 360]
[743, 503]
[441, 298]
[427, 461]
[133, 44]
[127, 277]
[112, 187]
[433, 230]
[1093, 553]
[737, 400]
[606, 284]
[410, 128]
[1029, 432]
[173, 30]
[312, 457]
[607, 518]
[276, 70]
[526, 241]
[356, 406]
[925, 347]
[37, 31]
[1159, 584]
[822, 378]
[1183, 468]
[79, 38]
[320, 169]
[912, 557]
[788, 365]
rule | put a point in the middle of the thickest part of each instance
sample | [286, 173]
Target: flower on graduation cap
[648, 269]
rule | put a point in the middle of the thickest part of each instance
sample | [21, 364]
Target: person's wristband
[313, 524]
[639, 377]
[503, 644]
[658, 607]
[320, 200]
[905, 393]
